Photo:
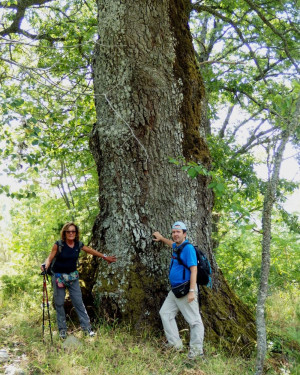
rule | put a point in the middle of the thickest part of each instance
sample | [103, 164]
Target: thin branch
[274, 30]
[250, 143]
[228, 20]
[226, 121]
[221, 62]
[246, 121]
[260, 105]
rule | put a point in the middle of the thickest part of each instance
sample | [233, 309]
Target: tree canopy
[247, 54]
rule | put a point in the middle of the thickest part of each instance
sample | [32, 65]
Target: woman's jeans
[76, 298]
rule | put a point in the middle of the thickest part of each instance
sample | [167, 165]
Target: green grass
[283, 317]
[118, 350]
[283, 310]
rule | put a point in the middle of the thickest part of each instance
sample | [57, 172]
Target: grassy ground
[116, 350]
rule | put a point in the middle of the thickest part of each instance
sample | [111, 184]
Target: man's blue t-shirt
[188, 257]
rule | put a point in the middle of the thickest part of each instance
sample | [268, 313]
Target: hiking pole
[46, 302]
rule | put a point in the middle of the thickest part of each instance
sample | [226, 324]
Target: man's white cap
[179, 225]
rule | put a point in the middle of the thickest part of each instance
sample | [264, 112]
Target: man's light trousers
[191, 314]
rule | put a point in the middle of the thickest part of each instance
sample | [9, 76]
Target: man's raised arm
[158, 237]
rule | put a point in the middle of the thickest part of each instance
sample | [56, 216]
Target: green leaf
[220, 187]
[192, 172]
[17, 102]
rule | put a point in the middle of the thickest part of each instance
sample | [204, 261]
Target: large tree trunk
[149, 96]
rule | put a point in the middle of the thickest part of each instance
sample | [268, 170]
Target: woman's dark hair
[65, 228]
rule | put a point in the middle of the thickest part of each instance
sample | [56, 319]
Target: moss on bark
[187, 72]
[227, 320]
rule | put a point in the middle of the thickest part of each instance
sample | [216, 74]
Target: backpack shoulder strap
[181, 247]
[60, 245]
[179, 253]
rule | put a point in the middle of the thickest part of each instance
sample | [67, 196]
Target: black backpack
[203, 266]
[59, 249]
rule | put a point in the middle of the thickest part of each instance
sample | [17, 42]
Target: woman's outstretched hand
[110, 258]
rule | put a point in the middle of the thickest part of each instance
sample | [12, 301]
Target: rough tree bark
[149, 100]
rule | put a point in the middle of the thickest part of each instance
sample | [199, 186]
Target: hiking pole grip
[44, 272]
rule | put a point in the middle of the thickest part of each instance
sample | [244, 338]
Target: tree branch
[228, 20]
[260, 105]
[15, 26]
[246, 121]
[274, 30]
[250, 143]
[226, 121]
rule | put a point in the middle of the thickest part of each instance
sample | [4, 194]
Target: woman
[63, 264]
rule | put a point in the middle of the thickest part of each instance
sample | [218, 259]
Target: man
[187, 305]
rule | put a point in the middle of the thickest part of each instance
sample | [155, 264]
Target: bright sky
[289, 170]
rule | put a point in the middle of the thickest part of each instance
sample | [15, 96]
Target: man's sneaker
[89, 332]
[63, 333]
[193, 355]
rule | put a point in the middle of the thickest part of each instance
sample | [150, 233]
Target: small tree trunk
[269, 200]
[265, 261]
